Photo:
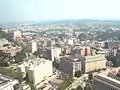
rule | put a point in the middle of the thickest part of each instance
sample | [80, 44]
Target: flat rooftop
[73, 58]
[4, 79]
[108, 80]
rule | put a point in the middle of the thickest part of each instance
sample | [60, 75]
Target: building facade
[31, 46]
[36, 69]
[102, 82]
[95, 62]
[51, 53]
[70, 64]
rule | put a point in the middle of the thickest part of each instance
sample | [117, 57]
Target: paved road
[79, 81]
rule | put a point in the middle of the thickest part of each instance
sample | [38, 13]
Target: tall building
[70, 64]
[102, 82]
[37, 69]
[15, 36]
[95, 62]
[84, 51]
[31, 46]
[51, 53]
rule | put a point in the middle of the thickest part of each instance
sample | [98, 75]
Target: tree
[2, 34]
[79, 88]
[82, 36]
[39, 52]
[73, 89]
[90, 76]
[78, 73]
[20, 56]
[66, 83]
[11, 73]
[55, 64]
[87, 87]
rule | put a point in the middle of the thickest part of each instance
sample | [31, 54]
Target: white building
[3, 41]
[51, 53]
[37, 69]
[95, 62]
[31, 46]
[70, 41]
[16, 35]
[7, 83]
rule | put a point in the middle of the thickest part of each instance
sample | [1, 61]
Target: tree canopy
[78, 73]
[11, 73]
[66, 83]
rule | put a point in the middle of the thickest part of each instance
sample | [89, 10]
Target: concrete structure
[10, 50]
[15, 36]
[31, 46]
[7, 83]
[95, 62]
[50, 43]
[84, 51]
[68, 50]
[70, 41]
[51, 53]
[102, 82]
[100, 44]
[70, 64]
[37, 69]
[3, 41]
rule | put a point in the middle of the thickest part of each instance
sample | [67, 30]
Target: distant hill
[74, 21]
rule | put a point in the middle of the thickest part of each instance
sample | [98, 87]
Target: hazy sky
[39, 10]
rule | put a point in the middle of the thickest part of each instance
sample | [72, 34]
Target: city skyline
[50, 10]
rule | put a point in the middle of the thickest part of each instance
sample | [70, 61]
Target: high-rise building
[51, 53]
[31, 46]
[70, 64]
[15, 36]
[37, 69]
[94, 62]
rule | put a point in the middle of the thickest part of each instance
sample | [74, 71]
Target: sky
[48, 10]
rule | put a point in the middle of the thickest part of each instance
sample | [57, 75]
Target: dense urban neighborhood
[61, 55]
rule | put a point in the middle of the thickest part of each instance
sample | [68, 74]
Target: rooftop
[33, 62]
[109, 80]
[73, 58]
[5, 79]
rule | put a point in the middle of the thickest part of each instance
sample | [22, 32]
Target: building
[15, 36]
[50, 43]
[36, 69]
[3, 42]
[51, 53]
[102, 82]
[31, 46]
[10, 50]
[7, 83]
[68, 50]
[95, 62]
[70, 64]
[84, 51]
[70, 42]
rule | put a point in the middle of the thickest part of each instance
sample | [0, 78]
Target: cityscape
[65, 54]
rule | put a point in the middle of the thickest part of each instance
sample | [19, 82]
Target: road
[79, 81]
